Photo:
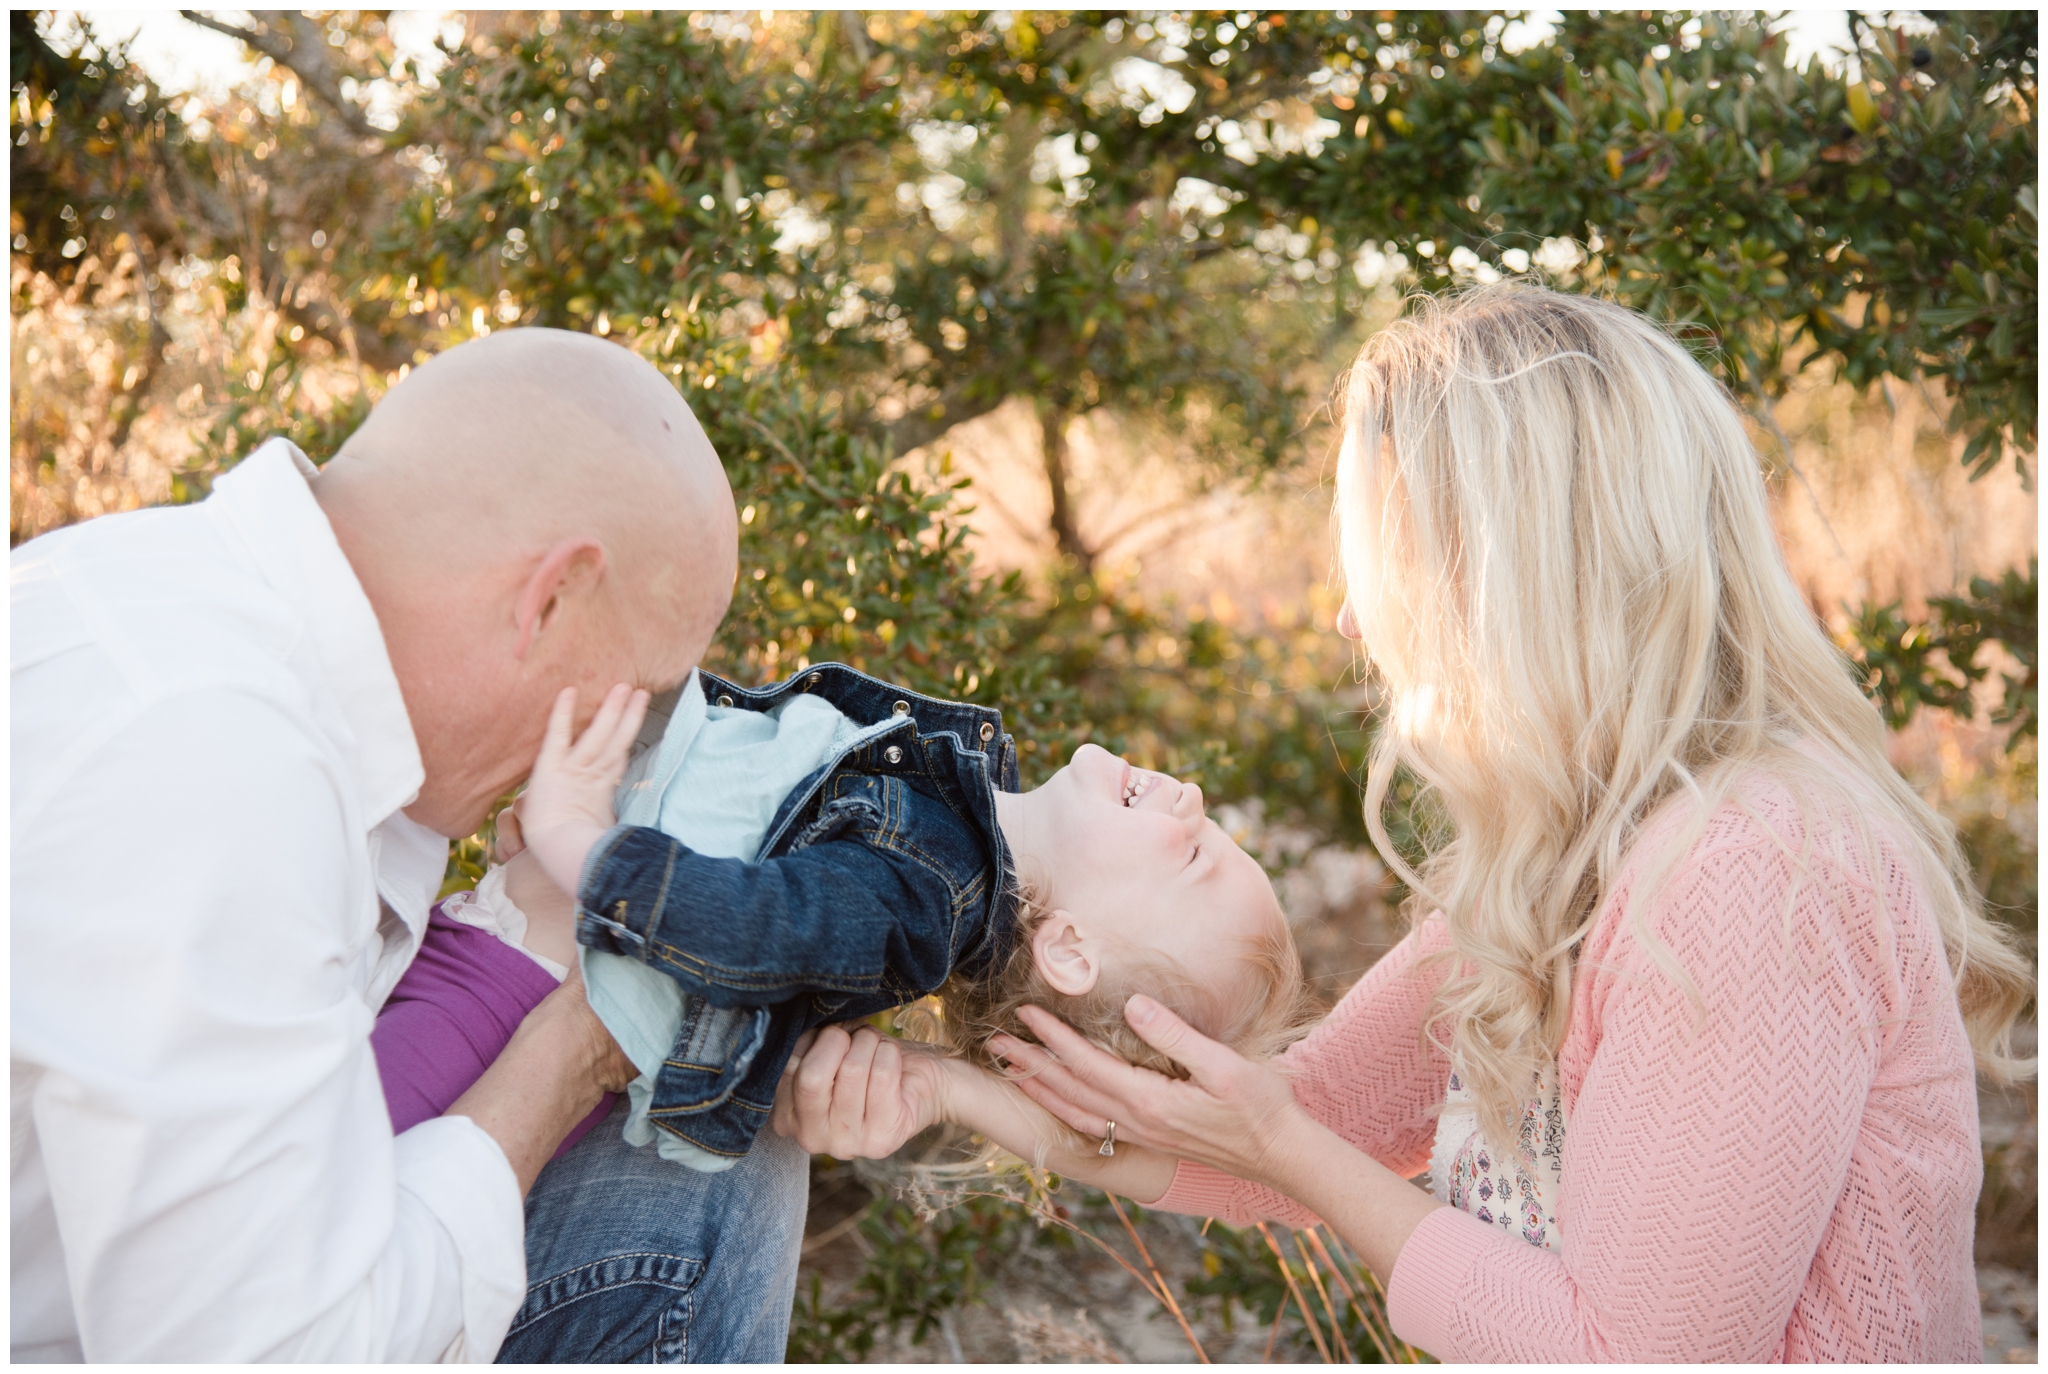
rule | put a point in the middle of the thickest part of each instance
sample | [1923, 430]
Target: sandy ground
[2008, 1269]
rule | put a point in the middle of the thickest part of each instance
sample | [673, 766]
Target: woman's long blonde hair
[1559, 554]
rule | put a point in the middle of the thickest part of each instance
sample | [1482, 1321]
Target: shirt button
[988, 732]
[893, 754]
[901, 708]
[813, 680]
[724, 700]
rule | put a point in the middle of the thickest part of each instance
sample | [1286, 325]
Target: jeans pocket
[838, 817]
[624, 1309]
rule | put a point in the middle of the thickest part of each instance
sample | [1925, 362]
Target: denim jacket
[883, 872]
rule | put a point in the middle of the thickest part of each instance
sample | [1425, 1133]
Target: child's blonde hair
[1257, 1022]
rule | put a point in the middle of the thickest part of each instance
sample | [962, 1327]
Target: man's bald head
[533, 485]
[532, 435]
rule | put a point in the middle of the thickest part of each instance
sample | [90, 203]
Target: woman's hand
[507, 843]
[1233, 1115]
[858, 1096]
[567, 805]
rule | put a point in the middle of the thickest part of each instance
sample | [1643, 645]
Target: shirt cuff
[456, 1171]
[1200, 1191]
[593, 862]
[1429, 1274]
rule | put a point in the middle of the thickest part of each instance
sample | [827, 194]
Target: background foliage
[843, 235]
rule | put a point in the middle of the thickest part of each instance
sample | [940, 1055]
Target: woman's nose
[1347, 621]
[1189, 802]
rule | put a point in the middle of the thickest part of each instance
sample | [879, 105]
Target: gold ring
[1108, 1140]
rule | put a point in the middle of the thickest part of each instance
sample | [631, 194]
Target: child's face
[1132, 858]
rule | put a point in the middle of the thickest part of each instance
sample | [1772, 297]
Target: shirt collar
[266, 501]
[648, 777]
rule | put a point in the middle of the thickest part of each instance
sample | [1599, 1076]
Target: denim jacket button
[988, 732]
[724, 700]
[901, 708]
[813, 680]
[893, 754]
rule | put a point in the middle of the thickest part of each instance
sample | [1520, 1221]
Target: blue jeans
[633, 1259]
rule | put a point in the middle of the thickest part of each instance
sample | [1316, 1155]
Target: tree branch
[127, 407]
[334, 324]
[293, 41]
[1053, 420]
[1177, 506]
[921, 424]
[1767, 414]
[183, 199]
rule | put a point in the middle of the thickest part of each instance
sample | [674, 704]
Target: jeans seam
[718, 976]
[632, 1280]
[676, 1349]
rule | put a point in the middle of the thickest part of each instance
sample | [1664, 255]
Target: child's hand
[567, 805]
[859, 1096]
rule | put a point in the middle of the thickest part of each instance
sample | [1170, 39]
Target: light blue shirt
[715, 782]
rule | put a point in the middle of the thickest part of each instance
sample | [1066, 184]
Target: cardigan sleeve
[1711, 1133]
[1366, 1072]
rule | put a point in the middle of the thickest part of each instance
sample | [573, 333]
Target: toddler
[817, 851]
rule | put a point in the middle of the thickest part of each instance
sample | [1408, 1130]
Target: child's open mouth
[1135, 784]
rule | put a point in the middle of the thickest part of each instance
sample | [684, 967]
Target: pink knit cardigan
[1793, 1177]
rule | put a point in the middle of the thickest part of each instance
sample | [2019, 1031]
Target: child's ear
[1066, 957]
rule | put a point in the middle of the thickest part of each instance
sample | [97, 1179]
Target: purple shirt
[450, 1016]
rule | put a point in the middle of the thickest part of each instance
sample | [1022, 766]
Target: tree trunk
[1053, 421]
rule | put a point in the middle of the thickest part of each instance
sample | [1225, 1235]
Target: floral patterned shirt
[1516, 1190]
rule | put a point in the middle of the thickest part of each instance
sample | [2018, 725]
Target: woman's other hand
[507, 843]
[858, 1096]
[1232, 1114]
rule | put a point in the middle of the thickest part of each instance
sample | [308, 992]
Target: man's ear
[571, 568]
[1067, 958]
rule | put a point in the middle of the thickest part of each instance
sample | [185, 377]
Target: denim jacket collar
[986, 756]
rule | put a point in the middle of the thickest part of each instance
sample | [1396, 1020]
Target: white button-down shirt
[210, 754]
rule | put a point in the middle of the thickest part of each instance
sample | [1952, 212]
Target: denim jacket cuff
[591, 896]
[599, 852]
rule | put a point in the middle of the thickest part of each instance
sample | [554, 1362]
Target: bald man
[243, 734]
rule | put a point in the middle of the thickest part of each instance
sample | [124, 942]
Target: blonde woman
[1686, 1040]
